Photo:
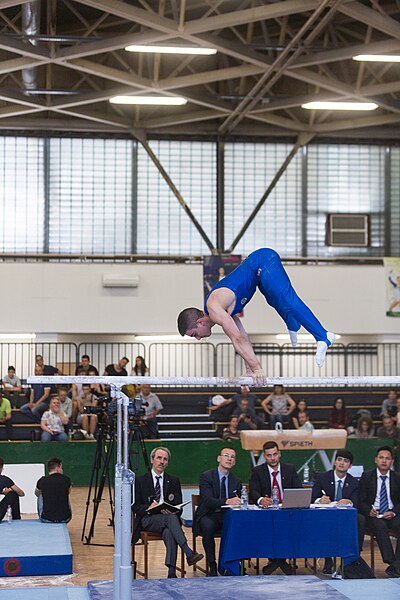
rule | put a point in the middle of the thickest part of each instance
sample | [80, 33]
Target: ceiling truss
[271, 58]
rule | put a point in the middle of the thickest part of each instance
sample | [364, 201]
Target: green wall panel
[189, 458]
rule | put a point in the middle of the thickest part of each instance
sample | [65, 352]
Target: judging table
[287, 533]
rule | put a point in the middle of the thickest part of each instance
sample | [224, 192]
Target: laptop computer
[297, 498]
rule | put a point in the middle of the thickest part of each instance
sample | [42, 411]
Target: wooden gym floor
[96, 562]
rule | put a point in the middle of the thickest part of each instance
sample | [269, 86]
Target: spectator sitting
[338, 416]
[87, 421]
[300, 408]
[117, 370]
[247, 416]
[278, 405]
[389, 403]
[12, 385]
[388, 430]
[231, 433]
[46, 369]
[97, 388]
[53, 422]
[53, 494]
[221, 409]
[85, 366]
[397, 414]
[5, 416]
[38, 400]
[152, 409]
[11, 493]
[245, 393]
[140, 369]
[304, 422]
[364, 430]
[65, 404]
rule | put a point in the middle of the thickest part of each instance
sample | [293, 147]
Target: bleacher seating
[186, 413]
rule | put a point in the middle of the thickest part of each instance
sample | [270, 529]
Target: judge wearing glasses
[218, 487]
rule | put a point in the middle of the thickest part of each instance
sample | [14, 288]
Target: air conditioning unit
[347, 229]
[120, 281]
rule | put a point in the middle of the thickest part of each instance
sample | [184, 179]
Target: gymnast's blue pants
[275, 286]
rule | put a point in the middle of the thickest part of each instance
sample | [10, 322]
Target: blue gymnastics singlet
[243, 280]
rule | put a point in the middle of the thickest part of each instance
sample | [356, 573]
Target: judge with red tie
[263, 479]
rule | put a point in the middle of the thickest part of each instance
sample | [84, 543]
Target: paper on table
[318, 505]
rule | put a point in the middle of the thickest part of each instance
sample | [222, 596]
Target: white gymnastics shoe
[293, 338]
[322, 347]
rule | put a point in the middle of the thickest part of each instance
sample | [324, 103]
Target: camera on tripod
[137, 407]
[101, 411]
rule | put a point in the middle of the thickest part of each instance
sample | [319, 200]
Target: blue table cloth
[300, 533]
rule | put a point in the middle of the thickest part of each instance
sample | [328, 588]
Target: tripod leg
[98, 497]
[93, 477]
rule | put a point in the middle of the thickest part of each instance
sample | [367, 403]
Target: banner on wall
[217, 267]
[392, 276]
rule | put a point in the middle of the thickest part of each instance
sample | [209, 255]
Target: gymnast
[262, 269]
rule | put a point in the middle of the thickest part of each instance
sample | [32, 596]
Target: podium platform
[34, 548]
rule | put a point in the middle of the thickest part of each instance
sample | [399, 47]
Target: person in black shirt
[11, 494]
[117, 370]
[53, 494]
[47, 369]
[84, 367]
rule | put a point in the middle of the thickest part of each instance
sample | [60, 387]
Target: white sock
[331, 337]
[293, 338]
[322, 347]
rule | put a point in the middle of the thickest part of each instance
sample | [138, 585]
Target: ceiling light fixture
[339, 106]
[149, 100]
[171, 49]
[377, 58]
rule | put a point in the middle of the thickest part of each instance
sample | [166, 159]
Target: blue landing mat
[222, 588]
[45, 593]
[34, 548]
[368, 589]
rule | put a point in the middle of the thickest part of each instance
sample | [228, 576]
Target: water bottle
[306, 474]
[275, 497]
[9, 514]
[244, 499]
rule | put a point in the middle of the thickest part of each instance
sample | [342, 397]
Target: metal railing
[22, 355]
[107, 353]
[188, 359]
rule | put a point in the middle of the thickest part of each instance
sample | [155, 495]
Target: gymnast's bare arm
[218, 306]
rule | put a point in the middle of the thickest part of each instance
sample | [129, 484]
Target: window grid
[162, 225]
[394, 225]
[90, 196]
[22, 194]
[249, 169]
[102, 195]
[346, 178]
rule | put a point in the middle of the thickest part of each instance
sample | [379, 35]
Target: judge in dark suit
[379, 503]
[152, 489]
[218, 487]
[337, 485]
[263, 478]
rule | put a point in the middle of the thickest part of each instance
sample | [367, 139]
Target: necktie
[157, 489]
[339, 491]
[275, 483]
[223, 489]
[383, 498]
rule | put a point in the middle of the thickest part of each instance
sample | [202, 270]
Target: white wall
[69, 298]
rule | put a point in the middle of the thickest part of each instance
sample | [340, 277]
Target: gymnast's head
[194, 323]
